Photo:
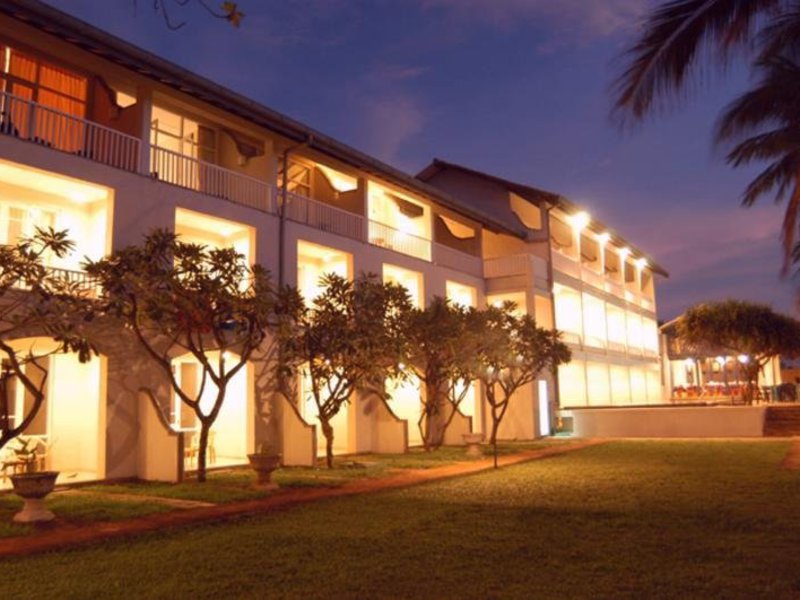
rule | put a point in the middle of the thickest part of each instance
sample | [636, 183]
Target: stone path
[58, 539]
[792, 459]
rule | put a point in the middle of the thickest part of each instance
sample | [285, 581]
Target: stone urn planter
[264, 465]
[34, 488]
[473, 442]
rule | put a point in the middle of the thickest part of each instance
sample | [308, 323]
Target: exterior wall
[242, 189]
[671, 422]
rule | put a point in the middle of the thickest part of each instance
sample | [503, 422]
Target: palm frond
[675, 38]
[771, 145]
[775, 100]
[777, 178]
[781, 36]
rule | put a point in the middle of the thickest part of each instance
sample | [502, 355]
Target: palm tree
[682, 39]
[764, 125]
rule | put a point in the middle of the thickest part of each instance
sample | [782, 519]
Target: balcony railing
[27, 120]
[187, 172]
[593, 278]
[570, 337]
[616, 346]
[566, 265]
[614, 288]
[323, 216]
[455, 259]
[399, 241]
[79, 282]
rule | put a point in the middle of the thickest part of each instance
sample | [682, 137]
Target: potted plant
[473, 442]
[264, 462]
[32, 485]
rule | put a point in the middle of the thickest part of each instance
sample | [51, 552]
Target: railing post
[144, 97]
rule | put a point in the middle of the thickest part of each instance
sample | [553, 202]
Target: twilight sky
[518, 88]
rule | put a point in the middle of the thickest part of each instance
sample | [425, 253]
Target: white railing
[455, 259]
[323, 216]
[79, 281]
[49, 127]
[399, 241]
[614, 288]
[207, 178]
[593, 278]
[617, 346]
[566, 265]
[507, 266]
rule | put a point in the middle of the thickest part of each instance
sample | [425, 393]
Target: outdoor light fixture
[641, 263]
[579, 220]
[689, 362]
[624, 252]
[744, 359]
[604, 238]
[722, 359]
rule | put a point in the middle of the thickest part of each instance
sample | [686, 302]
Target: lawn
[76, 509]
[622, 520]
[238, 484]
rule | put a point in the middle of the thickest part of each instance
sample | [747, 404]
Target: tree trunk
[202, 450]
[495, 427]
[424, 425]
[327, 431]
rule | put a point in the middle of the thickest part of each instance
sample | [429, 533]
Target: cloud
[714, 254]
[594, 18]
[391, 122]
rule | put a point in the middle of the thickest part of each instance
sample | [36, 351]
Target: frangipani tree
[514, 352]
[179, 298]
[753, 331]
[443, 349]
[36, 302]
[350, 339]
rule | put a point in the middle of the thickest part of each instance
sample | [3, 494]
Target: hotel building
[109, 141]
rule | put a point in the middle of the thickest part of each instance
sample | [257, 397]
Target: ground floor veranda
[97, 423]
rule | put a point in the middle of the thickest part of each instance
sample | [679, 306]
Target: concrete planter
[264, 465]
[473, 442]
[34, 488]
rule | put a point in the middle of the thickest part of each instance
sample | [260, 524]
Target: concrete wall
[670, 422]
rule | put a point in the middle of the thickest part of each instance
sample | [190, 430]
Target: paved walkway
[792, 459]
[60, 538]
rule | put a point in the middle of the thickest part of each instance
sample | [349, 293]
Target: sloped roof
[540, 197]
[83, 35]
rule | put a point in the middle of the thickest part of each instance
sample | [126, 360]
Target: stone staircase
[782, 421]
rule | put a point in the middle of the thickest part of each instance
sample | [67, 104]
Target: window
[461, 294]
[182, 135]
[18, 222]
[28, 79]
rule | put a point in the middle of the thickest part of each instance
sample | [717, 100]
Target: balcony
[33, 122]
[455, 259]
[514, 265]
[393, 239]
[78, 282]
[566, 265]
[571, 337]
[323, 216]
[207, 178]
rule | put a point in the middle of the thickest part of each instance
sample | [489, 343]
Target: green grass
[75, 510]
[238, 484]
[220, 487]
[624, 520]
